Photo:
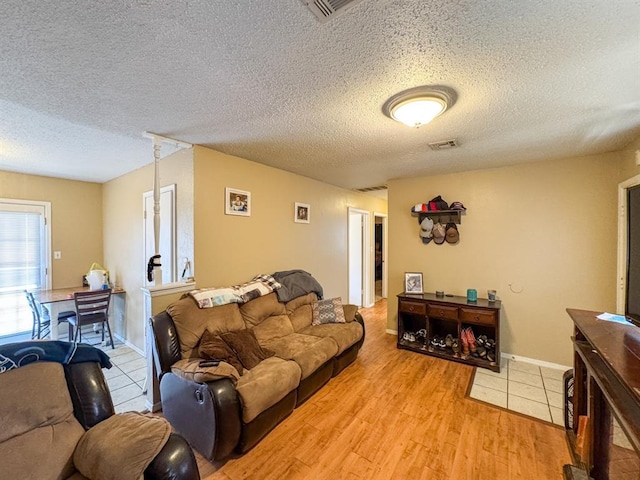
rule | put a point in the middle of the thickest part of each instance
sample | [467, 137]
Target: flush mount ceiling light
[418, 106]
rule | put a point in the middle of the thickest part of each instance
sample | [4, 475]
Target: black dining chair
[42, 318]
[91, 307]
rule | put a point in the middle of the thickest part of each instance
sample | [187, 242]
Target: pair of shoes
[471, 340]
[438, 342]
[421, 335]
[455, 346]
[465, 342]
[491, 356]
[409, 337]
[448, 340]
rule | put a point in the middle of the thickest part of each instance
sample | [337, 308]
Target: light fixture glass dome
[418, 111]
[418, 106]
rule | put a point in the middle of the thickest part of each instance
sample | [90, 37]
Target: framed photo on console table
[413, 282]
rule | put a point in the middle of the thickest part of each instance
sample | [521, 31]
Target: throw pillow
[327, 311]
[212, 347]
[246, 347]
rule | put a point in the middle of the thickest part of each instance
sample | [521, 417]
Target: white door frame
[171, 189]
[622, 241]
[367, 254]
[385, 239]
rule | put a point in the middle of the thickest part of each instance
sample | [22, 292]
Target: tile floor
[127, 375]
[522, 387]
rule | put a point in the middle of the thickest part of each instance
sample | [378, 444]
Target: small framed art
[302, 213]
[413, 282]
[237, 202]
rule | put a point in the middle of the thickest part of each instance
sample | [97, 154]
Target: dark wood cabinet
[606, 392]
[441, 316]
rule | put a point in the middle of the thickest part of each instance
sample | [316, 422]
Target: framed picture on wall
[302, 213]
[237, 202]
[413, 282]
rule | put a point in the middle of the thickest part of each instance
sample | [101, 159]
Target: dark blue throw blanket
[14, 355]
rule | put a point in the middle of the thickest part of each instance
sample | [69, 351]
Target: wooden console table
[448, 315]
[607, 391]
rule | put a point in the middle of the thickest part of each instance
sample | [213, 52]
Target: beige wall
[76, 220]
[542, 234]
[232, 249]
[123, 233]
[628, 155]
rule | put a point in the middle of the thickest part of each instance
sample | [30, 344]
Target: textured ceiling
[265, 80]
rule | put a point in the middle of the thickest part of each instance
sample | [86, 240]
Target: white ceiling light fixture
[418, 106]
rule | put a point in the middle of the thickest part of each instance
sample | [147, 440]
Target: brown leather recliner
[44, 409]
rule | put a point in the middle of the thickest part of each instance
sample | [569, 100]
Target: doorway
[359, 242]
[380, 256]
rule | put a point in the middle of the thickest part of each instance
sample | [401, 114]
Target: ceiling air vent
[326, 9]
[444, 145]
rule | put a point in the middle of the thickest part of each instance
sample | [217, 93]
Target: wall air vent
[326, 9]
[444, 145]
[372, 189]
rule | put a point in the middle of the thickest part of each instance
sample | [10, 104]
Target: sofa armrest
[174, 462]
[89, 393]
[360, 320]
[166, 344]
[208, 415]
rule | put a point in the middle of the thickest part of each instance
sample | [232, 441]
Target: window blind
[21, 251]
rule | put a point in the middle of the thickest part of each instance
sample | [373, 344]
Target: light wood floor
[395, 414]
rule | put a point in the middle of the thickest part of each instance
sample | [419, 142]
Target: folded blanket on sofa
[14, 355]
[213, 297]
[296, 283]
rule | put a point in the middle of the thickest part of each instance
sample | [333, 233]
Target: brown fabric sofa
[219, 412]
[47, 410]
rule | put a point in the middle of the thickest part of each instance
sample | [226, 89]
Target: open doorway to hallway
[380, 256]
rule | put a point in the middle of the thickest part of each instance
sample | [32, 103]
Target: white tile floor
[522, 387]
[127, 375]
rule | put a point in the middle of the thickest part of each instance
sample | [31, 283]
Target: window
[24, 260]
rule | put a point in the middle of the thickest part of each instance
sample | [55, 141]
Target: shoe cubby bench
[451, 327]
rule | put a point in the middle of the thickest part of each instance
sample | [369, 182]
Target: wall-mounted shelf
[442, 216]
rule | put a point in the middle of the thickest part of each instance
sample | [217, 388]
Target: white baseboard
[130, 345]
[153, 407]
[392, 332]
[540, 363]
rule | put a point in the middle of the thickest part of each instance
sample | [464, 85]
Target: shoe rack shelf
[441, 316]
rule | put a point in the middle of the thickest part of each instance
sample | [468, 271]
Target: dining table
[60, 299]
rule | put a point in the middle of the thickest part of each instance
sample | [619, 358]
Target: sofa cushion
[309, 352]
[37, 422]
[327, 311]
[344, 334]
[191, 322]
[265, 385]
[190, 369]
[121, 447]
[267, 316]
[214, 348]
[246, 347]
[299, 311]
